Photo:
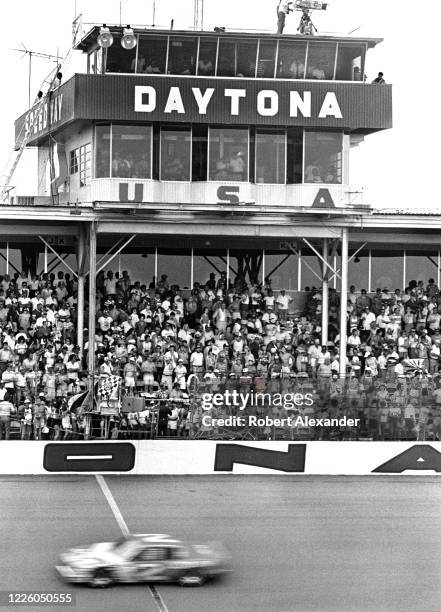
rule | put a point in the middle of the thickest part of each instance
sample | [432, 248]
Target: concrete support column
[404, 269]
[343, 301]
[325, 294]
[81, 284]
[438, 277]
[92, 303]
[370, 272]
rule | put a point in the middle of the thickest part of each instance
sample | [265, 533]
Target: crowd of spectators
[170, 345]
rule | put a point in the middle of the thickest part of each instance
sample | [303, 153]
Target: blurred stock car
[144, 558]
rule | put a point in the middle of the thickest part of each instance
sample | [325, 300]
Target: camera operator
[283, 8]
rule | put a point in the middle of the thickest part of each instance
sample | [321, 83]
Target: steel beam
[100, 261]
[58, 256]
[278, 265]
[81, 284]
[344, 301]
[351, 258]
[325, 294]
[325, 263]
[117, 252]
[92, 306]
[12, 265]
[54, 263]
[310, 268]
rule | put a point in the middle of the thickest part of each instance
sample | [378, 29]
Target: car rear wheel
[191, 579]
[101, 579]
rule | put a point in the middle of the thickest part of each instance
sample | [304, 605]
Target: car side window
[150, 554]
[179, 553]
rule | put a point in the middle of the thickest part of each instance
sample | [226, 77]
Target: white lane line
[113, 505]
[158, 599]
[160, 604]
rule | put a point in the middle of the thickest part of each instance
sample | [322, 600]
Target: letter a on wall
[323, 199]
[418, 457]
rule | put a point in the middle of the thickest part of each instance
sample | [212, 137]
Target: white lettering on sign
[263, 98]
[235, 95]
[47, 114]
[267, 103]
[297, 103]
[330, 107]
[55, 108]
[145, 99]
[203, 100]
[174, 102]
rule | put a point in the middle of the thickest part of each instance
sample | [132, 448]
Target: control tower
[193, 149]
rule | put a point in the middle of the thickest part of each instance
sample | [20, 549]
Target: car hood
[96, 554]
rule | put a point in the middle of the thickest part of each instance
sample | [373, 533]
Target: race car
[144, 558]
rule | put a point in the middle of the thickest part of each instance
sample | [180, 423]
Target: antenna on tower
[198, 22]
[32, 54]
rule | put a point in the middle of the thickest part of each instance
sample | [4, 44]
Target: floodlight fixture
[128, 40]
[105, 38]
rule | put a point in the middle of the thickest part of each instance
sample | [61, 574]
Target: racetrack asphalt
[298, 543]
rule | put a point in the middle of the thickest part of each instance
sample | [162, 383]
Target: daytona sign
[267, 102]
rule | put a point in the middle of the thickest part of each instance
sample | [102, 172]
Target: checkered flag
[107, 387]
[414, 366]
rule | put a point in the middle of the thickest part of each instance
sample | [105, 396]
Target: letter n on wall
[229, 454]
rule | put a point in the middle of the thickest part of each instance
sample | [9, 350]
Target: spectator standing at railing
[26, 418]
[6, 409]
[409, 420]
[283, 301]
[164, 413]
[39, 420]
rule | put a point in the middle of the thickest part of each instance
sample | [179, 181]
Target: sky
[399, 167]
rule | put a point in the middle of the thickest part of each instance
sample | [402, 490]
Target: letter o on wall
[267, 103]
[89, 457]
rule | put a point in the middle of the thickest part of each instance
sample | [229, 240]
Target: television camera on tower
[306, 27]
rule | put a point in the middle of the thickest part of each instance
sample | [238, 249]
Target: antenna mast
[198, 15]
[31, 55]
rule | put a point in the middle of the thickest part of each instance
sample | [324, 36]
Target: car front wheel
[101, 579]
[191, 579]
